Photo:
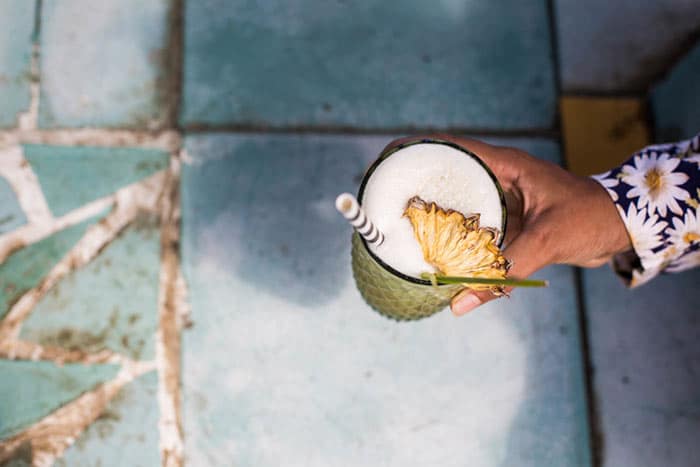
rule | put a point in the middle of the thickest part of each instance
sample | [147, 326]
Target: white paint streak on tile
[51, 436]
[32, 233]
[19, 174]
[16, 349]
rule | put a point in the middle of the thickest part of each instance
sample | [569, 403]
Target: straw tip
[344, 202]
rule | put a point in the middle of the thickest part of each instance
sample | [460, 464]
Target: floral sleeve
[657, 192]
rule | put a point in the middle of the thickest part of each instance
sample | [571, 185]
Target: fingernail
[466, 304]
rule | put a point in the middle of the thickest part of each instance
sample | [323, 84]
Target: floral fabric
[657, 193]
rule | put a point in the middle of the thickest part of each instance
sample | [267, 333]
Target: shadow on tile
[272, 197]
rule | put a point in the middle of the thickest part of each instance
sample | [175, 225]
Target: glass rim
[388, 152]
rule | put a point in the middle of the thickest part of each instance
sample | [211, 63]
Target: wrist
[610, 224]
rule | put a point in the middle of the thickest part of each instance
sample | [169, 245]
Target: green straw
[483, 281]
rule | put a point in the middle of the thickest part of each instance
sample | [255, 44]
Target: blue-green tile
[27, 266]
[285, 365]
[112, 302]
[125, 434]
[646, 368]
[90, 172]
[620, 46]
[11, 214]
[676, 100]
[31, 390]
[16, 28]
[107, 69]
[371, 64]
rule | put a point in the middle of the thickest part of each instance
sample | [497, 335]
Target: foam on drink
[436, 173]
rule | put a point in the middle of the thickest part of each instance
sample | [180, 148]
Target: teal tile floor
[23, 269]
[621, 46]
[31, 390]
[107, 304]
[126, 432]
[396, 64]
[272, 108]
[285, 364]
[11, 214]
[102, 312]
[676, 100]
[15, 54]
[109, 72]
[90, 172]
[646, 368]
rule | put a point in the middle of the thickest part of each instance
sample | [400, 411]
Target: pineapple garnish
[456, 245]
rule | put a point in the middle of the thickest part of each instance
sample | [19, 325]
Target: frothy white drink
[436, 173]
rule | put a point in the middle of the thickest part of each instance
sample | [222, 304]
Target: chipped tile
[17, 27]
[621, 46]
[111, 303]
[676, 100]
[304, 63]
[286, 365]
[11, 214]
[26, 267]
[109, 72]
[31, 390]
[602, 132]
[646, 367]
[126, 432]
[90, 172]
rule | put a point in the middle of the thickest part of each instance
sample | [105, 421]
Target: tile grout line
[342, 130]
[595, 432]
[594, 440]
[29, 119]
[172, 313]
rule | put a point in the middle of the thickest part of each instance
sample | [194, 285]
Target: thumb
[528, 253]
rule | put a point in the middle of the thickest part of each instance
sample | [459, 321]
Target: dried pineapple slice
[455, 245]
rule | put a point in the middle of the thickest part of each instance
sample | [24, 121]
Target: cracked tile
[90, 172]
[15, 57]
[126, 433]
[11, 214]
[109, 71]
[25, 268]
[395, 64]
[286, 365]
[31, 390]
[110, 303]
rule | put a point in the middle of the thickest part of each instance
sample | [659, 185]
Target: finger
[528, 253]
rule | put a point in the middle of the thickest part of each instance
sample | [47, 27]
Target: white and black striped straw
[348, 206]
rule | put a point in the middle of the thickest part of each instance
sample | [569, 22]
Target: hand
[554, 216]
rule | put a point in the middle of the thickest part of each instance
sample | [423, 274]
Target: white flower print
[687, 261]
[655, 183]
[608, 182]
[644, 230]
[685, 231]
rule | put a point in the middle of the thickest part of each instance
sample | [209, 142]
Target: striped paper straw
[351, 210]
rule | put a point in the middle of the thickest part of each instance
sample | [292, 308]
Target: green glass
[390, 292]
